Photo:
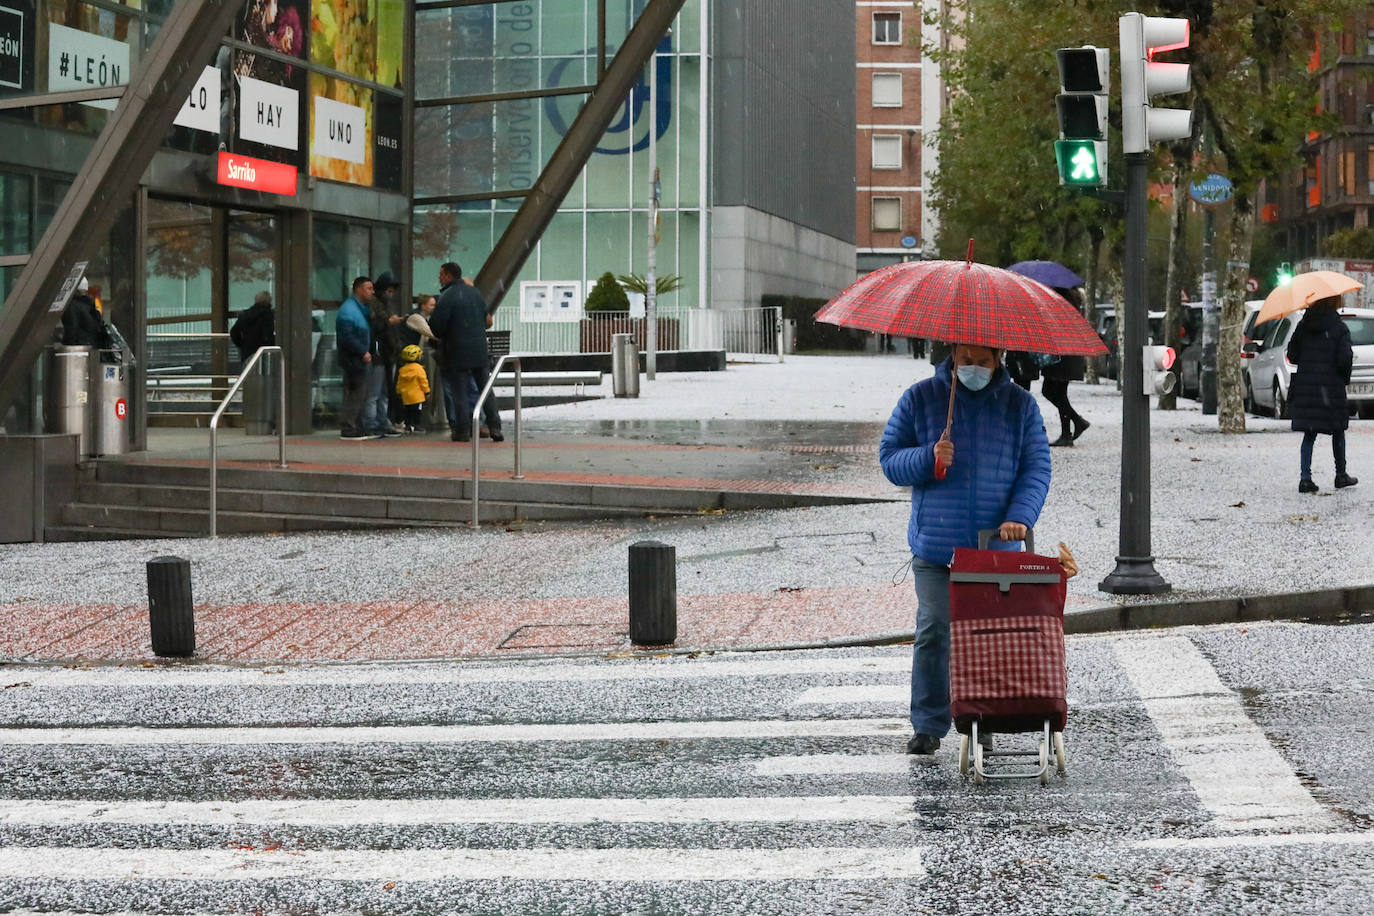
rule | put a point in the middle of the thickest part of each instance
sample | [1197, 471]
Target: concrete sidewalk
[1228, 522]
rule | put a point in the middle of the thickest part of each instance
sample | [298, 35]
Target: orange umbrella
[1302, 291]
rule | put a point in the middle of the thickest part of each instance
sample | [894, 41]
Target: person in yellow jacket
[413, 387]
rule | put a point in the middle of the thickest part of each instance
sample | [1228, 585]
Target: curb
[1332, 604]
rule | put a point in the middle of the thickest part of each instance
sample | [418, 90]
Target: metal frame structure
[132, 134]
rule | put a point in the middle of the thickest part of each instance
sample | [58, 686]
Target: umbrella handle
[941, 470]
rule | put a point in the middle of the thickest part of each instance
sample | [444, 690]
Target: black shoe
[1080, 426]
[923, 744]
[496, 436]
[1345, 480]
[353, 435]
[1307, 486]
[1065, 439]
[985, 739]
[454, 435]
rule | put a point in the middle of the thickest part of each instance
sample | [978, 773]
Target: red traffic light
[1167, 358]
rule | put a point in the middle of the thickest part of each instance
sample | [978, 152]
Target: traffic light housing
[1158, 363]
[1142, 78]
[1084, 81]
[1284, 274]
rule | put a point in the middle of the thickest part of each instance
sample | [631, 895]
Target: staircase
[115, 500]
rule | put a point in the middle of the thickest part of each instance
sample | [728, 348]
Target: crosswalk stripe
[1233, 768]
[833, 764]
[866, 694]
[654, 865]
[385, 674]
[432, 811]
[1269, 839]
[745, 729]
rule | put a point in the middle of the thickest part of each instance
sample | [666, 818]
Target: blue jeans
[930, 654]
[375, 407]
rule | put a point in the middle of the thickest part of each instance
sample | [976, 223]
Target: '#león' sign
[256, 174]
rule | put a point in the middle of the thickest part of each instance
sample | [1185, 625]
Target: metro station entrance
[204, 264]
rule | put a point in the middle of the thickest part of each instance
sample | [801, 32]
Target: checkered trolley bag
[1006, 656]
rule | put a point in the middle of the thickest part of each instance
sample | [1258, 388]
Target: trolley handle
[987, 534]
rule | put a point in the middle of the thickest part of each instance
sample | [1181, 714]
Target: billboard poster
[16, 47]
[362, 38]
[277, 25]
[82, 60]
[268, 121]
[340, 130]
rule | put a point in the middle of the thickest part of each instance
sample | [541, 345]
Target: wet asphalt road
[1219, 770]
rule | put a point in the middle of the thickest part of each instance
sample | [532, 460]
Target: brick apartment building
[1334, 189]
[889, 135]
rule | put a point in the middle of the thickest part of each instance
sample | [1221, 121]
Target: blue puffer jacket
[1001, 470]
[353, 332]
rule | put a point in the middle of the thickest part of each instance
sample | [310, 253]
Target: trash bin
[624, 366]
[66, 400]
[259, 392]
[110, 391]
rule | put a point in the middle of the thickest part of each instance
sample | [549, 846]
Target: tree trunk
[1173, 308]
[1230, 388]
[1090, 291]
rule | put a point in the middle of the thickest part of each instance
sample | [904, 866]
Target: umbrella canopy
[964, 302]
[1302, 291]
[1050, 273]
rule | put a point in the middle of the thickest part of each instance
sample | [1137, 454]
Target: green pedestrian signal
[1284, 274]
[1082, 163]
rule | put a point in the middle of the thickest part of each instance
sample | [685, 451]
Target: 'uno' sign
[636, 136]
[256, 174]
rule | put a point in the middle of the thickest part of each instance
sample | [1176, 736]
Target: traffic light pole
[1135, 567]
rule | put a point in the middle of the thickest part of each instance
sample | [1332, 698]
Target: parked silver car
[1268, 374]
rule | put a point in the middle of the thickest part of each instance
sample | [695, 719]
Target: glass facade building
[329, 139]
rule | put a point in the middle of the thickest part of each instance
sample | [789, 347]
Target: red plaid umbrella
[964, 302]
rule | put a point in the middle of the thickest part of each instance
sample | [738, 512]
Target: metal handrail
[477, 420]
[214, 423]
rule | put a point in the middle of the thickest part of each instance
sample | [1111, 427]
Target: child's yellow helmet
[411, 353]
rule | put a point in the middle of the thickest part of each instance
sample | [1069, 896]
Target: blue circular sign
[1212, 191]
[908, 241]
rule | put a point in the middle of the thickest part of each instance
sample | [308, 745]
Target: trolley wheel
[1061, 762]
[1044, 762]
[963, 755]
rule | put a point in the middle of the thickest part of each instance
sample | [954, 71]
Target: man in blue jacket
[997, 463]
[353, 336]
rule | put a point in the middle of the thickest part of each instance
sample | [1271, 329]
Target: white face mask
[974, 378]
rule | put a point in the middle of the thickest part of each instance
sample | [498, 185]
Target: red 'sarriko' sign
[256, 174]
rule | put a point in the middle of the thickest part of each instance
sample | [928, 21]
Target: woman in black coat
[1055, 386]
[1320, 348]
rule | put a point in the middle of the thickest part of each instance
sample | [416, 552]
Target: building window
[887, 214]
[887, 28]
[887, 90]
[1369, 43]
[887, 151]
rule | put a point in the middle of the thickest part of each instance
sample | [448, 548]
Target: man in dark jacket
[386, 350]
[82, 324]
[255, 327]
[459, 322]
[1320, 348]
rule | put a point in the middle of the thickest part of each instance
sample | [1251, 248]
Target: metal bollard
[171, 616]
[653, 593]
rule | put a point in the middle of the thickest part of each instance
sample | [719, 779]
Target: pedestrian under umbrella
[989, 437]
[1320, 348]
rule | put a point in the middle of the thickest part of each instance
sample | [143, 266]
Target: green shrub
[607, 296]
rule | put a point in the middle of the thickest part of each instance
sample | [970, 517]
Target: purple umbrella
[1050, 273]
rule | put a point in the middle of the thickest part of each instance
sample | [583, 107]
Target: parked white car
[1269, 372]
